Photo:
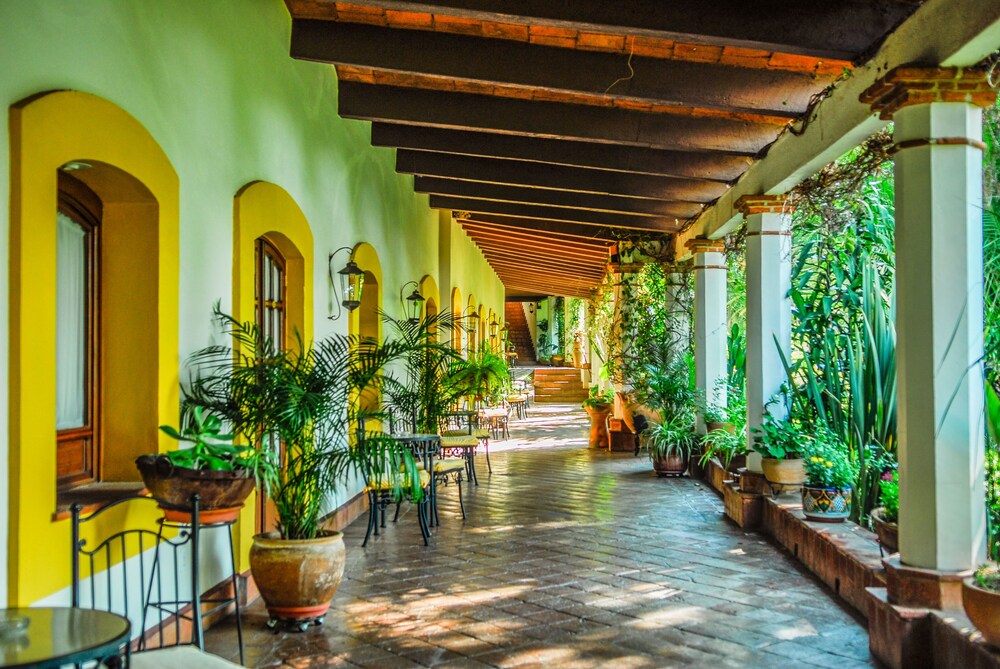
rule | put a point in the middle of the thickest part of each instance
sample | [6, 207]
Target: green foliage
[599, 400]
[297, 407]
[826, 462]
[210, 449]
[666, 383]
[672, 436]
[559, 325]
[780, 439]
[724, 445]
[483, 376]
[993, 471]
[889, 493]
[988, 577]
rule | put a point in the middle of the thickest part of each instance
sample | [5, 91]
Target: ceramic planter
[599, 426]
[888, 533]
[784, 474]
[558, 360]
[713, 426]
[673, 464]
[297, 577]
[826, 505]
[221, 493]
[983, 609]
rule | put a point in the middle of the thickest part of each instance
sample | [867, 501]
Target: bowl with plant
[981, 601]
[670, 443]
[598, 405]
[781, 444]
[885, 518]
[827, 492]
[219, 472]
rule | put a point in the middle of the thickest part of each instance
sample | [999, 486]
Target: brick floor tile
[568, 558]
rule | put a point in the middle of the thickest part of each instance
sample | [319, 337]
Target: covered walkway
[569, 558]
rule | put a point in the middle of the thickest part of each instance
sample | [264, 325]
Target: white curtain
[71, 323]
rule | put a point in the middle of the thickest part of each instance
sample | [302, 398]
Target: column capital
[911, 85]
[764, 204]
[705, 245]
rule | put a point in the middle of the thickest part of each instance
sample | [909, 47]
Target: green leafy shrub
[598, 399]
[827, 463]
[672, 436]
[889, 489]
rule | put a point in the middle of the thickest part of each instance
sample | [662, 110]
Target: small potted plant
[219, 472]
[886, 517]
[981, 601]
[826, 495]
[670, 443]
[781, 444]
[729, 447]
[598, 405]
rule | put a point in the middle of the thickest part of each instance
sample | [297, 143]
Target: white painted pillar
[939, 318]
[710, 322]
[769, 311]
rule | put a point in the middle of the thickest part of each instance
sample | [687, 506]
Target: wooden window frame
[78, 202]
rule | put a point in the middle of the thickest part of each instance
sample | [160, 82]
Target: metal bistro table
[58, 636]
[452, 446]
[424, 447]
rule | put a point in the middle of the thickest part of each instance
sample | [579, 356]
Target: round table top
[462, 412]
[415, 436]
[57, 636]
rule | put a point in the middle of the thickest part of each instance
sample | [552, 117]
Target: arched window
[78, 373]
[270, 293]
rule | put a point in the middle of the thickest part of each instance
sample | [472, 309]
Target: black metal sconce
[472, 324]
[412, 305]
[351, 280]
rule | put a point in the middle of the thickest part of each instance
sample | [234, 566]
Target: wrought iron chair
[141, 574]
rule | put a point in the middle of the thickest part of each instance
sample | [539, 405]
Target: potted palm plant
[670, 442]
[827, 492]
[598, 406]
[298, 406]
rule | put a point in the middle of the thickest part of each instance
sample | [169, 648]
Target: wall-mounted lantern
[413, 304]
[351, 281]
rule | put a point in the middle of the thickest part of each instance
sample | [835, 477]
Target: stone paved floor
[569, 558]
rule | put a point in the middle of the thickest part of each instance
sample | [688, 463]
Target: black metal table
[59, 636]
[424, 447]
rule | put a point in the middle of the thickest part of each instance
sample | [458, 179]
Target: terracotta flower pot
[221, 493]
[674, 464]
[784, 474]
[826, 505]
[297, 578]
[983, 609]
[713, 426]
[888, 533]
[599, 426]
[558, 360]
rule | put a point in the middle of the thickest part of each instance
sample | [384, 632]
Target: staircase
[560, 385]
[519, 333]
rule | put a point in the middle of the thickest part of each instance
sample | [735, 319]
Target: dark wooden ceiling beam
[464, 111]
[840, 29]
[546, 68]
[557, 177]
[581, 231]
[514, 229]
[542, 212]
[554, 198]
[639, 160]
[487, 244]
[527, 261]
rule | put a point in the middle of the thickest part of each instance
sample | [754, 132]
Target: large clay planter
[826, 505]
[784, 474]
[558, 360]
[599, 426]
[713, 426]
[983, 609]
[674, 464]
[297, 578]
[888, 533]
[221, 494]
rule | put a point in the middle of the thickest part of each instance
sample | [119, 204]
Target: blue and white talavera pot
[831, 505]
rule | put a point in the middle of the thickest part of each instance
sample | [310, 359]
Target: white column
[710, 322]
[939, 318]
[769, 311]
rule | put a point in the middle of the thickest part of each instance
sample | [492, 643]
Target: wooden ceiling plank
[583, 232]
[555, 198]
[514, 229]
[488, 246]
[838, 29]
[580, 216]
[368, 102]
[535, 66]
[639, 160]
[557, 177]
[516, 262]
